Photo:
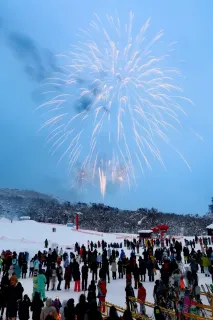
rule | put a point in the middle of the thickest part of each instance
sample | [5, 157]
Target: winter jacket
[114, 266]
[41, 279]
[91, 293]
[142, 294]
[36, 307]
[102, 290]
[80, 310]
[24, 306]
[48, 310]
[99, 258]
[206, 262]
[59, 272]
[69, 310]
[64, 304]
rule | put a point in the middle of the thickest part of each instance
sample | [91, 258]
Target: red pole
[76, 221]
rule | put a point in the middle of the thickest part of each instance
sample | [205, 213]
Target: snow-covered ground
[30, 236]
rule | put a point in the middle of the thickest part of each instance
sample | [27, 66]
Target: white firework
[116, 97]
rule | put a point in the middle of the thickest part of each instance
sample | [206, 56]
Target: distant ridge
[47, 208]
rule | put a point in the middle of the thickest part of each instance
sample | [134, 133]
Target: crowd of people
[177, 288]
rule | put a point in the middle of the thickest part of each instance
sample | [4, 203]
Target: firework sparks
[125, 99]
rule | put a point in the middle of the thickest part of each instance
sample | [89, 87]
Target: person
[46, 244]
[59, 272]
[24, 269]
[31, 268]
[129, 293]
[13, 279]
[35, 281]
[93, 313]
[12, 304]
[69, 310]
[84, 273]
[158, 313]
[113, 315]
[114, 269]
[24, 306]
[54, 276]
[48, 275]
[120, 269]
[81, 307]
[49, 310]
[41, 284]
[102, 291]
[36, 306]
[141, 297]
[67, 277]
[91, 292]
[127, 315]
[77, 277]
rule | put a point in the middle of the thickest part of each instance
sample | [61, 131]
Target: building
[210, 230]
[145, 234]
[24, 218]
[70, 225]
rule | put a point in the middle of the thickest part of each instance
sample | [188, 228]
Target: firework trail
[115, 97]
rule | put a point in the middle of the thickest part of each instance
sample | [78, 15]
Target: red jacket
[142, 294]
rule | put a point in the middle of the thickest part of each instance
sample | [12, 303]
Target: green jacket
[206, 262]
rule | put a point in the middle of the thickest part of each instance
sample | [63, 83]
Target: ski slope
[30, 236]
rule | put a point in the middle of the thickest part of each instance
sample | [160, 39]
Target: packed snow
[29, 236]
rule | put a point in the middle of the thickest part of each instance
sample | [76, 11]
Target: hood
[64, 303]
[49, 303]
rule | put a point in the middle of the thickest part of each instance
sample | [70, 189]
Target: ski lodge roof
[210, 226]
[145, 231]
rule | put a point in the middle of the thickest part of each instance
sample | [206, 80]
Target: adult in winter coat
[36, 306]
[91, 292]
[67, 277]
[36, 264]
[150, 268]
[141, 296]
[49, 310]
[46, 244]
[12, 304]
[206, 264]
[99, 260]
[114, 269]
[93, 313]
[54, 276]
[69, 310]
[102, 291]
[64, 304]
[24, 269]
[48, 275]
[142, 269]
[127, 315]
[158, 313]
[120, 269]
[129, 293]
[113, 315]
[81, 308]
[77, 279]
[13, 279]
[41, 284]
[24, 306]
[84, 273]
[122, 254]
[59, 272]
[136, 273]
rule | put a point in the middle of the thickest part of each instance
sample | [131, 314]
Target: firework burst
[117, 97]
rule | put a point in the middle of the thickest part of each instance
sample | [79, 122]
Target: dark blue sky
[25, 161]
